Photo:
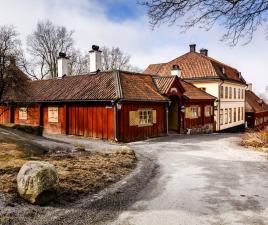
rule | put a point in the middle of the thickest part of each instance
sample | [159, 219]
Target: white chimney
[175, 71]
[63, 65]
[249, 87]
[94, 59]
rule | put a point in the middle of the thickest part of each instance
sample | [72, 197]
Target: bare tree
[44, 45]
[115, 58]
[241, 18]
[10, 48]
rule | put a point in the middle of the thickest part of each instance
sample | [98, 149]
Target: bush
[36, 130]
[257, 139]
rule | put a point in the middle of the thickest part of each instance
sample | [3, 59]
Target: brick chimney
[204, 51]
[63, 65]
[94, 59]
[192, 47]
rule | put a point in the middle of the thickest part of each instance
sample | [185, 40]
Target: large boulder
[37, 182]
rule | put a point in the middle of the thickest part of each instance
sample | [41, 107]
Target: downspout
[115, 121]
[167, 112]
[219, 105]
[119, 94]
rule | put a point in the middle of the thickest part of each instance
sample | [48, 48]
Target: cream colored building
[216, 78]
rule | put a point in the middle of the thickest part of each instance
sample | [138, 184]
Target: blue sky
[124, 24]
[120, 11]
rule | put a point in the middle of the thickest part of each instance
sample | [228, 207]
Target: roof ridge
[118, 85]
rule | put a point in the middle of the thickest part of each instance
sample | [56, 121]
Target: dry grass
[80, 173]
[256, 139]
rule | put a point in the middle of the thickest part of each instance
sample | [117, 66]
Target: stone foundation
[206, 129]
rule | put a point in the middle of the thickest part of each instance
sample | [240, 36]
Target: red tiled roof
[196, 66]
[190, 91]
[139, 87]
[254, 103]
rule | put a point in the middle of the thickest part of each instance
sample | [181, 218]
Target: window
[230, 115]
[242, 113]
[53, 114]
[226, 116]
[193, 112]
[226, 92]
[239, 114]
[23, 114]
[242, 94]
[221, 116]
[221, 92]
[234, 93]
[145, 117]
[203, 89]
[230, 93]
[238, 93]
[234, 114]
[208, 111]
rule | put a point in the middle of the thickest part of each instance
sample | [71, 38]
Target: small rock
[125, 151]
[37, 182]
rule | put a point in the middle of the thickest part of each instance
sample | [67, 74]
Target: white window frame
[23, 113]
[145, 117]
[53, 115]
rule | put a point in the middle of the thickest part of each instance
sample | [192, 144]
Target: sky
[124, 24]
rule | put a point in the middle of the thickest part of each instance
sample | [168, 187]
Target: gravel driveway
[205, 179]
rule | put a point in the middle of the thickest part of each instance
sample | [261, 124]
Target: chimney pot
[63, 65]
[176, 71]
[94, 59]
[192, 47]
[204, 52]
[249, 87]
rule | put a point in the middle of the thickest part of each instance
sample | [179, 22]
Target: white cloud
[135, 37]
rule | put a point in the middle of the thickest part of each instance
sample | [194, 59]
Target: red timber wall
[54, 127]
[4, 115]
[95, 121]
[33, 116]
[128, 133]
[200, 121]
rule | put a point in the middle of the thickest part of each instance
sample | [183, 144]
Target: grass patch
[80, 172]
[256, 139]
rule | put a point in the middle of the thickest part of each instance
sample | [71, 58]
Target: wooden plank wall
[91, 121]
[200, 121]
[132, 133]
[4, 115]
[54, 128]
[33, 116]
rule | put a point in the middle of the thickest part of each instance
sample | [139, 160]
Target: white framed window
[230, 93]
[234, 93]
[53, 114]
[230, 115]
[145, 117]
[234, 114]
[193, 112]
[239, 114]
[226, 116]
[221, 116]
[208, 111]
[226, 92]
[23, 113]
[221, 92]
[239, 93]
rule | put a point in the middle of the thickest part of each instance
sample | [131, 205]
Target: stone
[38, 182]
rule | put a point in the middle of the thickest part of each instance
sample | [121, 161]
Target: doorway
[174, 115]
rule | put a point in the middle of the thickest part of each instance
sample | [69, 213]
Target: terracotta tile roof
[139, 87]
[195, 65]
[190, 91]
[99, 86]
[254, 103]
[164, 83]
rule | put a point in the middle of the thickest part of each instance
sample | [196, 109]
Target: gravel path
[208, 180]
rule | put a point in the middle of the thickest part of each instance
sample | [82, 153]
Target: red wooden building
[256, 111]
[114, 105]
